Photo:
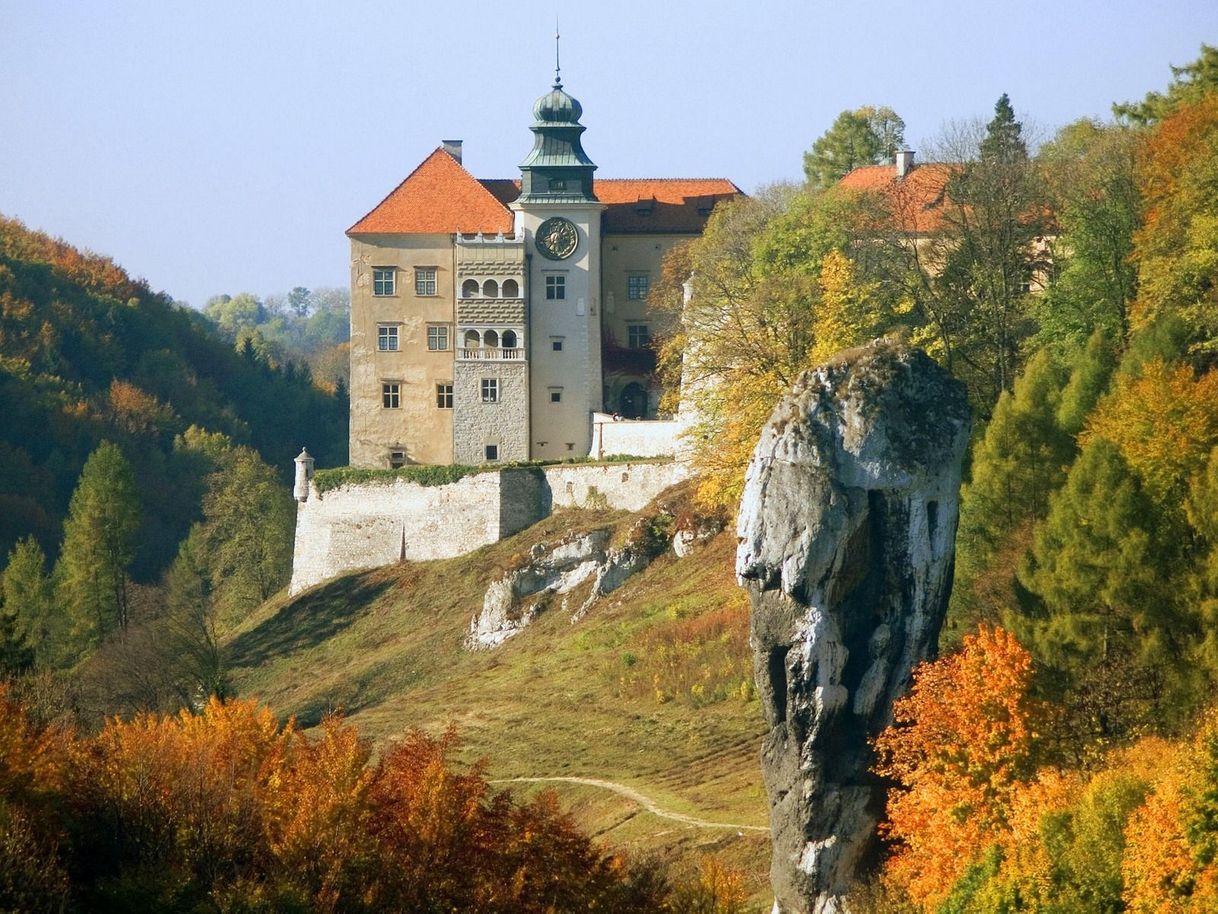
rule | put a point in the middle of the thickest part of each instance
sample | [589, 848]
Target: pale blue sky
[221, 146]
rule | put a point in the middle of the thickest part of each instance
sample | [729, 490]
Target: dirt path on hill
[642, 800]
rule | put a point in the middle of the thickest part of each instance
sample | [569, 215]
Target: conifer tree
[248, 521]
[1098, 563]
[1093, 368]
[98, 547]
[1003, 141]
[865, 136]
[25, 592]
[1019, 463]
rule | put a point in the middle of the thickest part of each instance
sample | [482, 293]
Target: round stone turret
[304, 475]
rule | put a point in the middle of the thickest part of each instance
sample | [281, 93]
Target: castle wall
[369, 525]
[633, 438]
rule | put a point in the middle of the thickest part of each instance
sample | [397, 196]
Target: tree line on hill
[308, 330]
[1073, 291]
[144, 462]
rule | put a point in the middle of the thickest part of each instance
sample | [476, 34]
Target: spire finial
[557, 68]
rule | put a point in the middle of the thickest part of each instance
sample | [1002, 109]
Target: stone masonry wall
[369, 525]
[504, 423]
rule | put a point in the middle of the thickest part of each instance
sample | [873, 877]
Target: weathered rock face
[520, 596]
[847, 530]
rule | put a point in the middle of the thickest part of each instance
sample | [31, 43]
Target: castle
[493, 320]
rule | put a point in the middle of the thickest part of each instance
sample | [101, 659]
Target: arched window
[509, 337]
[491, 339]
[511, 289]
[472, 340]
[490, 289]
[469, 288]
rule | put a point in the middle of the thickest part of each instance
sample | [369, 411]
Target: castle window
[469, 288]
[472, 339]
[387, 338]
[492, 452]
[444, 396]
[397, 459]
[509, 339]
[490, 339]
[637, 286]
[555, 394]
[556, 343]
[437, 338]
[511, 289]
[490, 390]
[391, 395]
[383, 280]
[490, 289]
[424, 280]
[638, 336]
[556, 287]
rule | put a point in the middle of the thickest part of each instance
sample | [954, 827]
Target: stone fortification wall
[625, 486]
[633, 437]
[367, 525]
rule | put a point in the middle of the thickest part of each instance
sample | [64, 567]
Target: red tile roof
[917, 199]
[440, 197]
[437, 198]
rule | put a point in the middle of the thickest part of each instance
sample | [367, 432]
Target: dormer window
[644, 207]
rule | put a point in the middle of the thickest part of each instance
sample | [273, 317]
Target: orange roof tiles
[440, 197]
[917, 199]
[437, 198]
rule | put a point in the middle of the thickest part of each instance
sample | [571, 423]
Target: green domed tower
[557, 170]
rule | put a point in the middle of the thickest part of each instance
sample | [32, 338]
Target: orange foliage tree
[962, 743]
[1164, 422]
[229, 810]
[1171, 860]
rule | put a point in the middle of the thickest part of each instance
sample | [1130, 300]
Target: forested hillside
[1062, 757]
[87, 354]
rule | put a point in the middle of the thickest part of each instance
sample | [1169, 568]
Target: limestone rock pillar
[846, 539]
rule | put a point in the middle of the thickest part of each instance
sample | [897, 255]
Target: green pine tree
[1019, 463]
[99, 539]
[1003, 142]
[1099, 564]
[25, 591]
[1092, 370]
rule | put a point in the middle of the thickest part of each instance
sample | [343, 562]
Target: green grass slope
[651, 690]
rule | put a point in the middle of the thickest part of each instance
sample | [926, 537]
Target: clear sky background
[220, 146]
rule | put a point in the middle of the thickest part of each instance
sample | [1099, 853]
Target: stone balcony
[489, 354]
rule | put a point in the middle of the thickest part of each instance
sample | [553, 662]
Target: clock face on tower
[557, 238]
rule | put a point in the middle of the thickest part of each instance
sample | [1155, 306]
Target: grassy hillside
[651, 690]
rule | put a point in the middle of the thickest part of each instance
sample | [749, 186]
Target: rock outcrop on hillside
[847, 531]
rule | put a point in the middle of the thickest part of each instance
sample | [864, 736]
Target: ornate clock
[557, 238]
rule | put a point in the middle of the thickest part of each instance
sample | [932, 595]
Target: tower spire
[557, 68]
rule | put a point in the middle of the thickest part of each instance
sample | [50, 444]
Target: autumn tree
[1176, 243]
[962, 743]
[1096, 205]
[1189, 84]
[865, 136]
[98, 546]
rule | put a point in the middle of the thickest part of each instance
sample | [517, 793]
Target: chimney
[453, 148]
[905, 162]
